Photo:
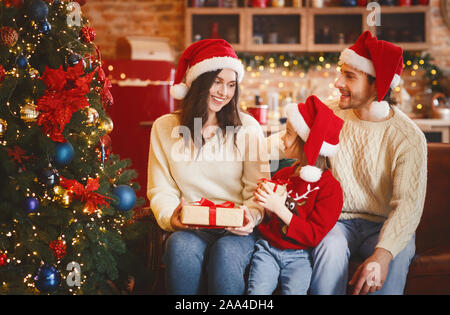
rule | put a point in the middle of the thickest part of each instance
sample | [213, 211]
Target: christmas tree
[65, 199]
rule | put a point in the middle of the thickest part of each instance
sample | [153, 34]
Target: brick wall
[440, 38]
[113, 19]
[165, 18]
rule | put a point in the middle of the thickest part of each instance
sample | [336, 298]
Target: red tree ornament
[2, 73]
[8, 36]
[3, 259]
[13, 3]
[87, 34]
[65, 94]
[59, 248]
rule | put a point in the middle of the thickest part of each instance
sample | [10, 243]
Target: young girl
[299, 219]
[206, 260]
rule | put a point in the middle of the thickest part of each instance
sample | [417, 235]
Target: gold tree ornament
[107, 125]
[3, 125]
[62, 196]
[34, 74]
[28, 112]
[92, 116]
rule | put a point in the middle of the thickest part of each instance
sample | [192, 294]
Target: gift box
[207, 214]
[277, 186]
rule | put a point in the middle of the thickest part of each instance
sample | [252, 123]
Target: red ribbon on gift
[277, 182]
[212, 208]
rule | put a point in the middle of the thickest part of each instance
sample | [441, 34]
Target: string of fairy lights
[419, 65]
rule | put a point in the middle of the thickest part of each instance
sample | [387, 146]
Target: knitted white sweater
[382, 168]
[219, 173]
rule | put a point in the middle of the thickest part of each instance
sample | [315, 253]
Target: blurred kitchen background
[290, 50]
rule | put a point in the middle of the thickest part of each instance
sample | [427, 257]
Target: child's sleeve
[328, 206]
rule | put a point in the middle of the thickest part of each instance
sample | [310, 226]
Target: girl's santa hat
[204, 56]
[380, 59]
[319, 128]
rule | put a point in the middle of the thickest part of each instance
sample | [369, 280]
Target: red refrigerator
[141, 94]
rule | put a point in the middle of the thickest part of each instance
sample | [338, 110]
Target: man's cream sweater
[219, 171]
[382, 168]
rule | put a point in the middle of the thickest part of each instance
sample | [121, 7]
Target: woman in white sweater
[206, 149]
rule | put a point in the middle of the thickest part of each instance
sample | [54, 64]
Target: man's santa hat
[319, 128]
[204, 56]
[380, 59]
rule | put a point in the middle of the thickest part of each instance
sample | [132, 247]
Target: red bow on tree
[85, 193]
[65, 94]
[18, 155]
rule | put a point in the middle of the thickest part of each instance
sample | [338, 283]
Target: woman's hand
[249, 224]
[271, 201]
[175, 219]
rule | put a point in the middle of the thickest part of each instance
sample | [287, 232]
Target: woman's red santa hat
[204, 56]
[380, 59]
[319, 128]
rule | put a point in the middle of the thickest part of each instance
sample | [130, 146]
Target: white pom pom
[178, 91]
[310, 173]
[395, 81]
[379, 110]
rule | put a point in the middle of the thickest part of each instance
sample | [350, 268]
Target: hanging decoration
[66, 94]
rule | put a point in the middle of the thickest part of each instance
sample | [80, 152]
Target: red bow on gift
[86, 194]
[212, 208]
[277, 182]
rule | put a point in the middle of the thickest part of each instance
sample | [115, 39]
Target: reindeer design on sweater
[292, 203]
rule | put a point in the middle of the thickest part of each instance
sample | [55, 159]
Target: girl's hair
[322, 162]
[195, 104]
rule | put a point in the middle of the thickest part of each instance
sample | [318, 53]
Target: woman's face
[292, 148]
[222, 90]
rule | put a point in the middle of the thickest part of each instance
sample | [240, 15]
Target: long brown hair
[195, 104]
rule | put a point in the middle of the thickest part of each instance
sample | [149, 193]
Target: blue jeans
[291, 266]
[354, 237]
[207, 262]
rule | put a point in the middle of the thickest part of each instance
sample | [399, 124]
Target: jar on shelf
[277, 3]
[404, 3]
[297, 3]
[349, 3]
[317, 3]
[197, 3]
[214, 30]
[260, 3]
[259, 111]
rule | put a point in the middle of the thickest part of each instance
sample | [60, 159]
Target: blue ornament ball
[44, 27]
[64, 153]
[31, 204]
[126, 196]
[47, 278]
[38, 10]
[22, 61]
[73, 60]
[49, 177]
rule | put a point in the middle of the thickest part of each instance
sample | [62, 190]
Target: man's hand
[371, 274]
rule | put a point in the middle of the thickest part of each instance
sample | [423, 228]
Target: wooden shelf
[305, 30]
